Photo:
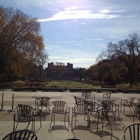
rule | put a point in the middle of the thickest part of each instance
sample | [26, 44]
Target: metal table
[42, 101]
[105, 101]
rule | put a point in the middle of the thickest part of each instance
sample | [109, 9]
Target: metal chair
[21, 135]
[129, 103]
[25, 114]
[131, 132]
[137, 110]
[107, 95]
[79, 109]
[113, 108]
[82, 101]
[78, 100]
[60, 108]
[43, 102]
[90, 97]
[99, 119]
[83, 95]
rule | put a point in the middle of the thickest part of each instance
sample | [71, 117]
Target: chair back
[138, 101]
[84, 94]
[24, 112]
[59, 106]
[107, 95]
[81, 108]
[137, 108]
[42, 102]
[78, 100]
[21, 135]
[131, 132]
[132, 100]
[90, 97]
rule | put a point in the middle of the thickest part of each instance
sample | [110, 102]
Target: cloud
[74, 13]
[111, 11]
[132, 15]
[94, 39]
[58, 57]
[77, 62]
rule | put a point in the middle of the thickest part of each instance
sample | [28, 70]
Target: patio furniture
[25, 114]
[79, 109]
[83, 94]
[99, 119]
[21, 135]
[108, 103]
[114, 108]
[105, 101]
[60, 108]
[42, 101]
[78, 100]
[136, 110]
[107, 95]
[82, 101]
[131, 132]
[127, 103]
[90, 97]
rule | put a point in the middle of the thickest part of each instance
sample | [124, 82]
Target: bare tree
[126, 53]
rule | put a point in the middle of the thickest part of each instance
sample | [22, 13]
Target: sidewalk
[6, 116]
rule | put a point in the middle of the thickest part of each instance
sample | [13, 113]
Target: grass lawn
[70, 84]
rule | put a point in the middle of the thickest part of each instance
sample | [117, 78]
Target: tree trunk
[131, 76]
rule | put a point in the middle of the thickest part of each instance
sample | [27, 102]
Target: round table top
[106, 99]
[42, 96]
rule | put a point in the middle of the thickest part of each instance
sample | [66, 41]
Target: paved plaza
[6, 116]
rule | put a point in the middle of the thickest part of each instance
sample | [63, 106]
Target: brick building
[66, 73]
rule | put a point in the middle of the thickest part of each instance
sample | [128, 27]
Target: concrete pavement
[6, 116]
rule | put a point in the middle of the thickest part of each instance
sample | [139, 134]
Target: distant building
[65, 74]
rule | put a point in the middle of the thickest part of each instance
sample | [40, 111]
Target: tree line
[21, 45]
[120, 63]
[22, 53]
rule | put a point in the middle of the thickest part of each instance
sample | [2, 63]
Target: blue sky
[77, 31]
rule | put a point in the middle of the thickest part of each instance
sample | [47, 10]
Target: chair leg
[72, 122]
[14, 126]
[51, 121]
[131, 110]
[119, 116]
[68, 121]
[40, 121]
[134, 117]
[65, 122]
[54, 119]
[33, 125]
[75, 121]
[98, 123]
[28, 125]
[114, 116]
[120, 108]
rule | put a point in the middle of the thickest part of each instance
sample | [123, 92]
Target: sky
[77, 31]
